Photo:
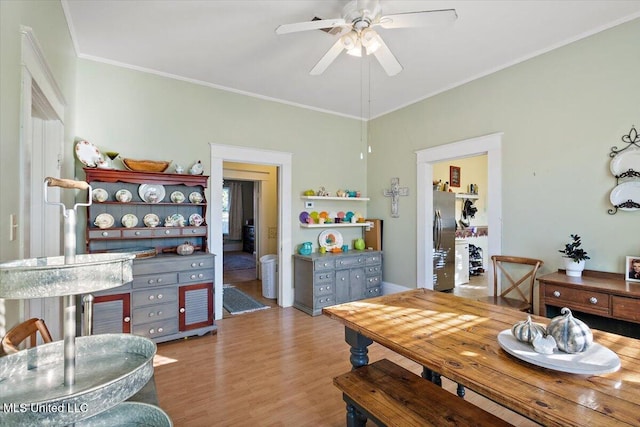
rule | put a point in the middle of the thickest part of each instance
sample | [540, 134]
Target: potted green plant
[574, 256]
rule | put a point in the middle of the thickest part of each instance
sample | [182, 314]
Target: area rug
[237, 302]
[238, 261]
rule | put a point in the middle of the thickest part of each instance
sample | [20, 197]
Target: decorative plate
[340, 215]
[129, 220]
[196, 197]
[596, 360]
[330, 239]
[324, 215]
[87, 153]
[124, 196]
[303, 217]
[624, 192]
[175, 220]
[196, 220]
[177, 197]
[151, 220]
[630, 159]
[151, 193]
[99, 195]
[104, 220]
[314, 215]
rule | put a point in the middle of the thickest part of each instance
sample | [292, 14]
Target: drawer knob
[137, 233]
[105, 234]
[167, 231]
[321, 288]
[593, 300]
[182, 310]
[152, 331]
[127, 319]
[201, 264]
[193, 276]
[160, 313]
[151, 297]
[159, 280]
[343, 279]
[193, 264]
[556, 294]
[200, 276]
[194, 231]
[159, 296]
[150, 281]
[357, 276]
[151, 314]
[160, 329]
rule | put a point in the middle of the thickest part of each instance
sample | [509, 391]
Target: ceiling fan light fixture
[356, 50]
[370, 40]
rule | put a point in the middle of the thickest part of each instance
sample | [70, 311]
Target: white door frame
[221, 153]
[40, 137]
[491, 145]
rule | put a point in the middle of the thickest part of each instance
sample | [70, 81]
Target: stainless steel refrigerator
[444, 240]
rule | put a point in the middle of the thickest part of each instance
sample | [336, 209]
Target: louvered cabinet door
[112, 314]
[195, 306]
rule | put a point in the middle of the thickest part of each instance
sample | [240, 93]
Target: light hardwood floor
[272, 367]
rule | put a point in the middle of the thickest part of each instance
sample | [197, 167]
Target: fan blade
[310, 25]
[328, 58]
[386, 58]
[418, 19]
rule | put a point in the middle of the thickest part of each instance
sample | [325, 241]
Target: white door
[45, 222]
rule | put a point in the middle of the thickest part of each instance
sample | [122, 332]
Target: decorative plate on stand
[624, 192]
[330, 239]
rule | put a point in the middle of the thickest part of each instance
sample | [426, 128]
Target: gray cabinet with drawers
[170, 297]
[321, 280]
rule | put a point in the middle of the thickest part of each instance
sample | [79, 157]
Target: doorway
[42, 146]
[491, 145]
[281, 233]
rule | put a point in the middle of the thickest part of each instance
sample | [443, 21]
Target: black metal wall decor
[625, 167]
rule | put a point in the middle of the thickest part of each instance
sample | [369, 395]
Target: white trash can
[269, 265]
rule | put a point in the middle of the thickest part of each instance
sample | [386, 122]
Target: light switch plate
[308, 205]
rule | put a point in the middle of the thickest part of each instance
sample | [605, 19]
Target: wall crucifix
[395, 192]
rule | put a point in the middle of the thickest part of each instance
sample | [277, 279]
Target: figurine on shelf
[197, 168]
[179, 169]
[322, 192]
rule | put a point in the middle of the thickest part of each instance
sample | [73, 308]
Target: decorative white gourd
[527, 331]
[572, 335]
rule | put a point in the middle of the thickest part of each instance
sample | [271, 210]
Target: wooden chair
[517, 272]
[21, 332]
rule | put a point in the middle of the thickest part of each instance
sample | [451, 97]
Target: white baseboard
[392, 288]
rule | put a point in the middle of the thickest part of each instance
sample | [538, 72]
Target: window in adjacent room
[225, 209]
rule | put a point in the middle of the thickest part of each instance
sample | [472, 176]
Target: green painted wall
[48, 23]
[145, 116]
[561, 113]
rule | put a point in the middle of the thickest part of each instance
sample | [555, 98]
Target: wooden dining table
[457, 338]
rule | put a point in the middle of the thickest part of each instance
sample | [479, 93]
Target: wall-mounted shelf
[342, 199]
[338, 225]
[467, 196]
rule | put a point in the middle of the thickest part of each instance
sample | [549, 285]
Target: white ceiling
[232, 45]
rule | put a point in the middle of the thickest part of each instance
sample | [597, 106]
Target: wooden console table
[604, 300]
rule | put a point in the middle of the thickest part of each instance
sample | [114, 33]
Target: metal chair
[517, 272]
[21, 332]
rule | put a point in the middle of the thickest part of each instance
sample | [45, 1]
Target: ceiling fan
[357, 34]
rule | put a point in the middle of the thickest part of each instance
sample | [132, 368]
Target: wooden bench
[390, 395]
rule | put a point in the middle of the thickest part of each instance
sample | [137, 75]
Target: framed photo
[454, 176]
[632, 269]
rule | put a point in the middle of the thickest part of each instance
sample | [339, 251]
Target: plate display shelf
[333, 224]
[167, 235]
[625, 167]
